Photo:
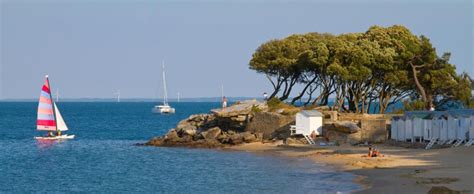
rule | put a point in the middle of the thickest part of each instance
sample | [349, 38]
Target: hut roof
[312, 113]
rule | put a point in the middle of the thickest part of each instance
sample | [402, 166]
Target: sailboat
[165, 107]
[49, 118]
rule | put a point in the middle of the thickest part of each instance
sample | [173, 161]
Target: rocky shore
[254, 121]
[243, 122]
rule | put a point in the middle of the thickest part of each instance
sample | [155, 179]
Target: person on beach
[224, 102]
[265, 96]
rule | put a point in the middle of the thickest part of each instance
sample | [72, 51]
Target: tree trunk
[420, 88]
[304, 90]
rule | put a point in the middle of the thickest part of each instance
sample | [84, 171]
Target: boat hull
[163, 109]
[56, 137]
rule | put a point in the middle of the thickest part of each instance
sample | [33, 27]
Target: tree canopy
[380, 66]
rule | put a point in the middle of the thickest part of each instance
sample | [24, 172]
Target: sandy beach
[405, 170]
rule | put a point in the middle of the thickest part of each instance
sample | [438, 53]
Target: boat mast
[54, 108]
[165, 94]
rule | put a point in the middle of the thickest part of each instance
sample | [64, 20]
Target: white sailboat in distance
[165, 107]
[49, 118]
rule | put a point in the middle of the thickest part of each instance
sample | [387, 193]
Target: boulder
[242, 108]
[271, 125]
[172, 135]
[235, 139]
[248, 137]
[186, 138]
[223, 138]
[211, 133]
[189, 130]
[355, 138]
[346, 126]
[157, 141]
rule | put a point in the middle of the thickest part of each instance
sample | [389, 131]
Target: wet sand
[405, 170]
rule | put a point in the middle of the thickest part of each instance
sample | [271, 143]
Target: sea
[104, 157]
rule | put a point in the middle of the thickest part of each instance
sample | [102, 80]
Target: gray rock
[189, 130]
[172, 136]
[249, 137]
[211, 133]
[346, 126]
[235, 139]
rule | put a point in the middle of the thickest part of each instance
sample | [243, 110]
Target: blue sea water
[103, 157]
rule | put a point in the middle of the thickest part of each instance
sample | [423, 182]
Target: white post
[118, 95]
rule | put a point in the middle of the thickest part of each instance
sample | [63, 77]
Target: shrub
[256, 109]
[274, 103]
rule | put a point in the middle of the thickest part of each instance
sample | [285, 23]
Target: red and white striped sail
[46, 118]
[49, 117]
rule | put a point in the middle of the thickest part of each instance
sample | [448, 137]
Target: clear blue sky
[93, 48]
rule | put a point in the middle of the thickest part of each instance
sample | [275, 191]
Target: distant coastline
[197, 99]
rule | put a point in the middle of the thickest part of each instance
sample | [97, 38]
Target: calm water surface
[103, 158]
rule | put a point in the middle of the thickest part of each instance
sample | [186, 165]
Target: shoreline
[414, 170]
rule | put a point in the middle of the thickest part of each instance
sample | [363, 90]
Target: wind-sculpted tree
[367, 71]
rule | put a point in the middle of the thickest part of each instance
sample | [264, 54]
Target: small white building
[307, 122]
[394, 128]
[471, 127]
[401, 130]
[427, 132]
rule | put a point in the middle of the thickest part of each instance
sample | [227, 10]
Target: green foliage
[383, 64]
[274, 103]
[255, 109]
[413, 105]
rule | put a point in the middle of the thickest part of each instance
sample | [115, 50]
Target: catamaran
[49, 117]
[165, 107]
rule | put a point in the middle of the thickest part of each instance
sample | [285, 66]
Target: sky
[91, 49]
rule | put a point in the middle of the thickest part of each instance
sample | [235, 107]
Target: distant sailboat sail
[46, 119]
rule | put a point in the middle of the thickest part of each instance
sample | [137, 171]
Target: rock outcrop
[271, 125]
[220, 128]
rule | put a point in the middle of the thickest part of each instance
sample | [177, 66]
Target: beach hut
[307, 123]
[394, 128]
[471, 127]
[463, 129]
[427, 132]
[464, 123]
[435, 127]
[401, 129]
[421, 124]
[408, 129]
[443, 128]
[453, 124]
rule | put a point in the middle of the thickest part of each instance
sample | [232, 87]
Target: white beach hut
[418, 126]
[427, 131]
[470, 134]
[463, 129]
[307, 122]
[408, 129]
[435, 127]
[443, 128]
[471, 127]
[396, 122]
[401, 129]
[421, 124]
[453, 124]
